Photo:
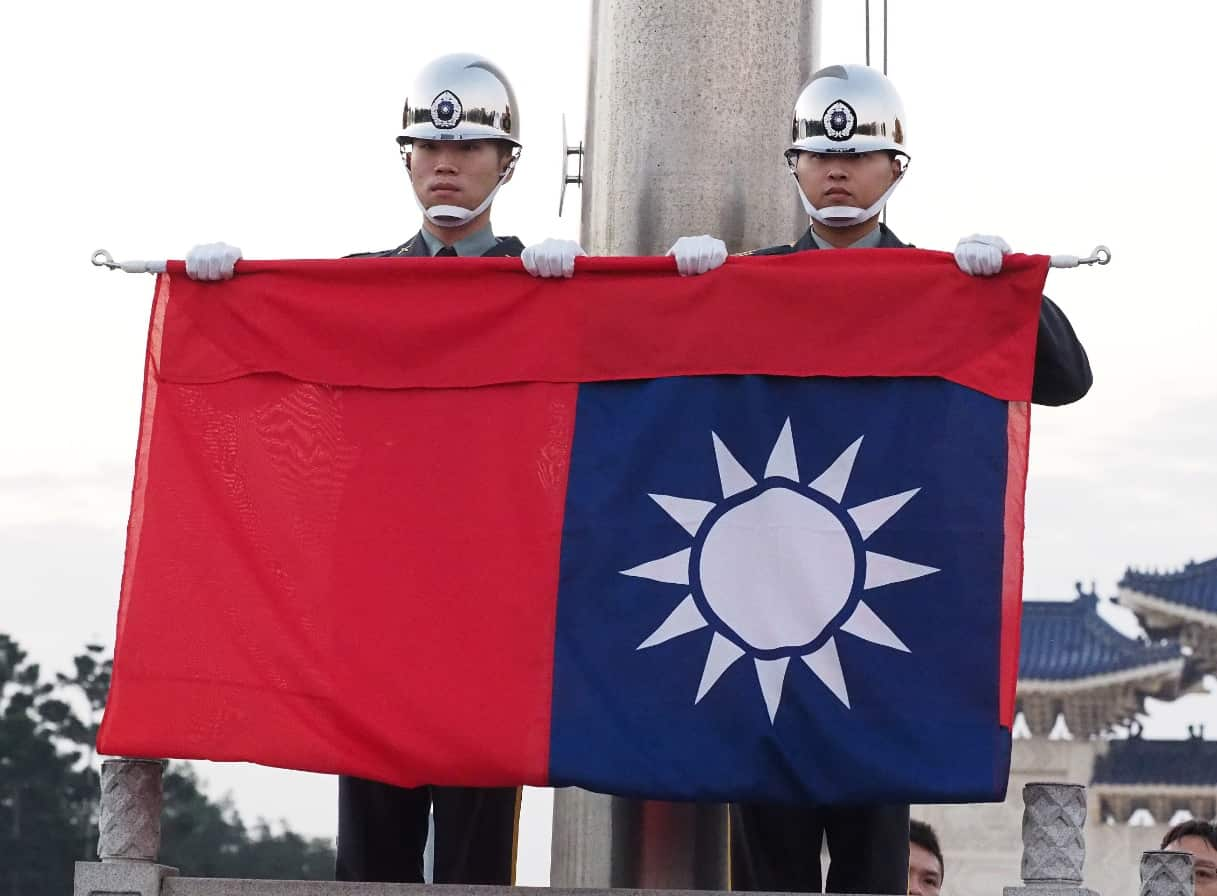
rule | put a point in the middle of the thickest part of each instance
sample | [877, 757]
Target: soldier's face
[1204, 859]
[838, 178]
[456, 172]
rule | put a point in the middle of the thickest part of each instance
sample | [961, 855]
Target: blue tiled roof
[1194, 586]
[1138, 761]
[1064, 640]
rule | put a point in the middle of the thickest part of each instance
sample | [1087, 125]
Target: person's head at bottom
[1199, 838]
[926, 867]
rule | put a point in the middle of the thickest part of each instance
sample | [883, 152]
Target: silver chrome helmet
[460, 97]
[848, 108]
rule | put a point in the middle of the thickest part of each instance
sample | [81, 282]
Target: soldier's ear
[507, 155]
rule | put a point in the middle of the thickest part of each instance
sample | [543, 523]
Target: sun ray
[782, 461]
[772, 675]
[884, 570]
[689, 512]
[673, 568]
[832, 481]
[731, 473]
[871, 516]
[866, 625]
[684, 619]
[826, 665]
[722, 655]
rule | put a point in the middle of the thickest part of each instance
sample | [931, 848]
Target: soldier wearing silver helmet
[848, 153]
[460, 141]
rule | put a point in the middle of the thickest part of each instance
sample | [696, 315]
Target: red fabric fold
[405, 323]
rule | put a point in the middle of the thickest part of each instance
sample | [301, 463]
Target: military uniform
[777, 848]
[382, 829]
[416, 247]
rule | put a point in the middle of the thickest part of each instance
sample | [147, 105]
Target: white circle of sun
[777, 569]
[785, 552]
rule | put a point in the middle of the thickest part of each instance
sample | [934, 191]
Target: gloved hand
[213, 261]
[552, 258]
[980, 254]
[698, 254]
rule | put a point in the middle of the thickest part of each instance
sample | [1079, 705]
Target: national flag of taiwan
[754, 535]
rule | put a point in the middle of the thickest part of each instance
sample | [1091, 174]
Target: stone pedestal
[120, 877]
[1054, 848]
[129, 833]
[129, 828]
[1167, 873]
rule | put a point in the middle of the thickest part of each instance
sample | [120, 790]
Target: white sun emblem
[777, 568]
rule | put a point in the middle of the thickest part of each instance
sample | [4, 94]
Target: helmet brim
[464, 131]
[856, 144]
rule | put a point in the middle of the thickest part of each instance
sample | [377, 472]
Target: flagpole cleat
[103, 259]
[1100, 255]
[567, 177]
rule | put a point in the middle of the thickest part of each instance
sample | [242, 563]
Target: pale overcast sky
[148, 127]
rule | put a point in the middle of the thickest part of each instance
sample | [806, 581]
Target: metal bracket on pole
[103, 259]
[567, 177]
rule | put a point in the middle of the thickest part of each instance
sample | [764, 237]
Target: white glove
[980, 254]
[698, 254]
[213, 261]
[552, 258]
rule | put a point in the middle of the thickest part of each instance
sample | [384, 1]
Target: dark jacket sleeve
[1062, 370]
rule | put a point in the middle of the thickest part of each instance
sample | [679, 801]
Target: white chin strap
[457, 216]
[845, 215]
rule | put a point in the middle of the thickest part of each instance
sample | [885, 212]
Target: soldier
[847, 155]
[460, 141]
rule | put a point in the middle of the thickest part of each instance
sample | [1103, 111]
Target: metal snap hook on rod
[103, 259]
[1100, 255]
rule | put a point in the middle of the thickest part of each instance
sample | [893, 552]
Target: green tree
[49, 792]
[44, 812]
[203, 838]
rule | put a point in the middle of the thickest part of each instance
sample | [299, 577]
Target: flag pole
[1101, 255]
[687, 120]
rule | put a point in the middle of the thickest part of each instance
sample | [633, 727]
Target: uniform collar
[472, 246]
[870, 241]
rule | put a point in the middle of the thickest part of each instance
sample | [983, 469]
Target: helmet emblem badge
[839, 120]
[446, 110]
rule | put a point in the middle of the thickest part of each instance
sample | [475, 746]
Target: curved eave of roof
[1069, 642]
[1195, 585]
[1157, 612]
[1171, 669]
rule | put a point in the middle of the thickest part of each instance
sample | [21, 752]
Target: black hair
[923, 835]
[1191, 828]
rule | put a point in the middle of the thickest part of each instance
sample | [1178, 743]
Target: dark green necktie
[446, 250]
